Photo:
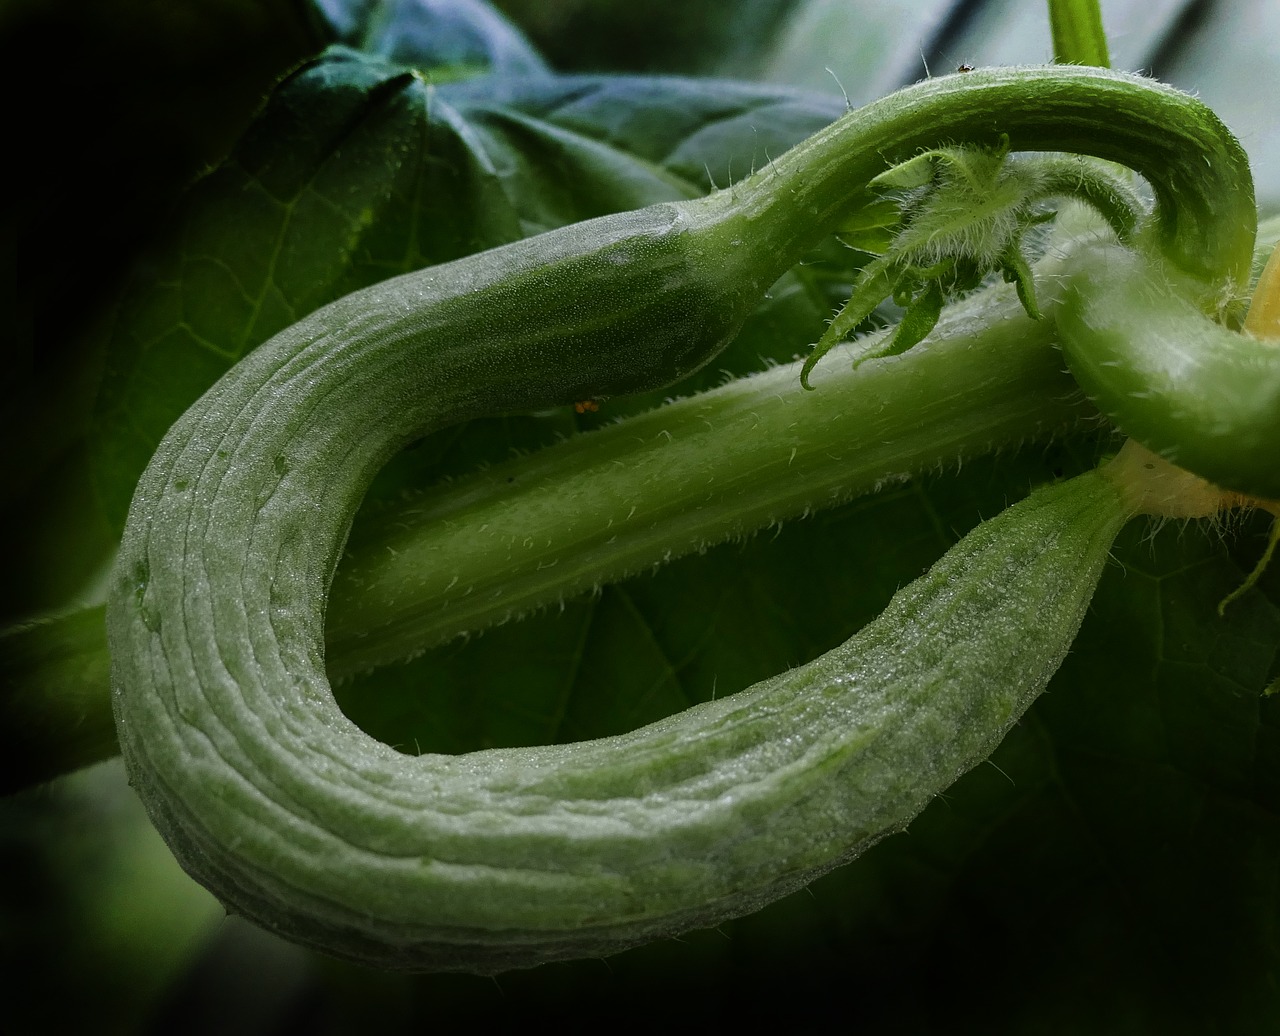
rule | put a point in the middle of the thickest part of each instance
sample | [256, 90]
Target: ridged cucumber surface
[294, 817]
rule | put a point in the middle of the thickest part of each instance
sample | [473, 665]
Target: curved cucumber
[269, 796]
[291, 815]
[1198, 394]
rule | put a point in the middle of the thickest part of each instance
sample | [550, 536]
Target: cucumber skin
[511, 858]
[294, 817]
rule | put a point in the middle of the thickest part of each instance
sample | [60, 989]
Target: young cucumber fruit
[292, 816]
[508, 858]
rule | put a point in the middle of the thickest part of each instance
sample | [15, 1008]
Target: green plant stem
[688, 475]
[1078, 35]
[1205, 217]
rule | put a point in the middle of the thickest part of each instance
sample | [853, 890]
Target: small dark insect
[587, 406]
[964, 68]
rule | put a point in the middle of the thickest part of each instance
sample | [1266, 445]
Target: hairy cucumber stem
[1205, 217]
[1078, 35]
[693, 473]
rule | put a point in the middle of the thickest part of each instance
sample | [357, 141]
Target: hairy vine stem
[700, 470]
[1206, 218]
